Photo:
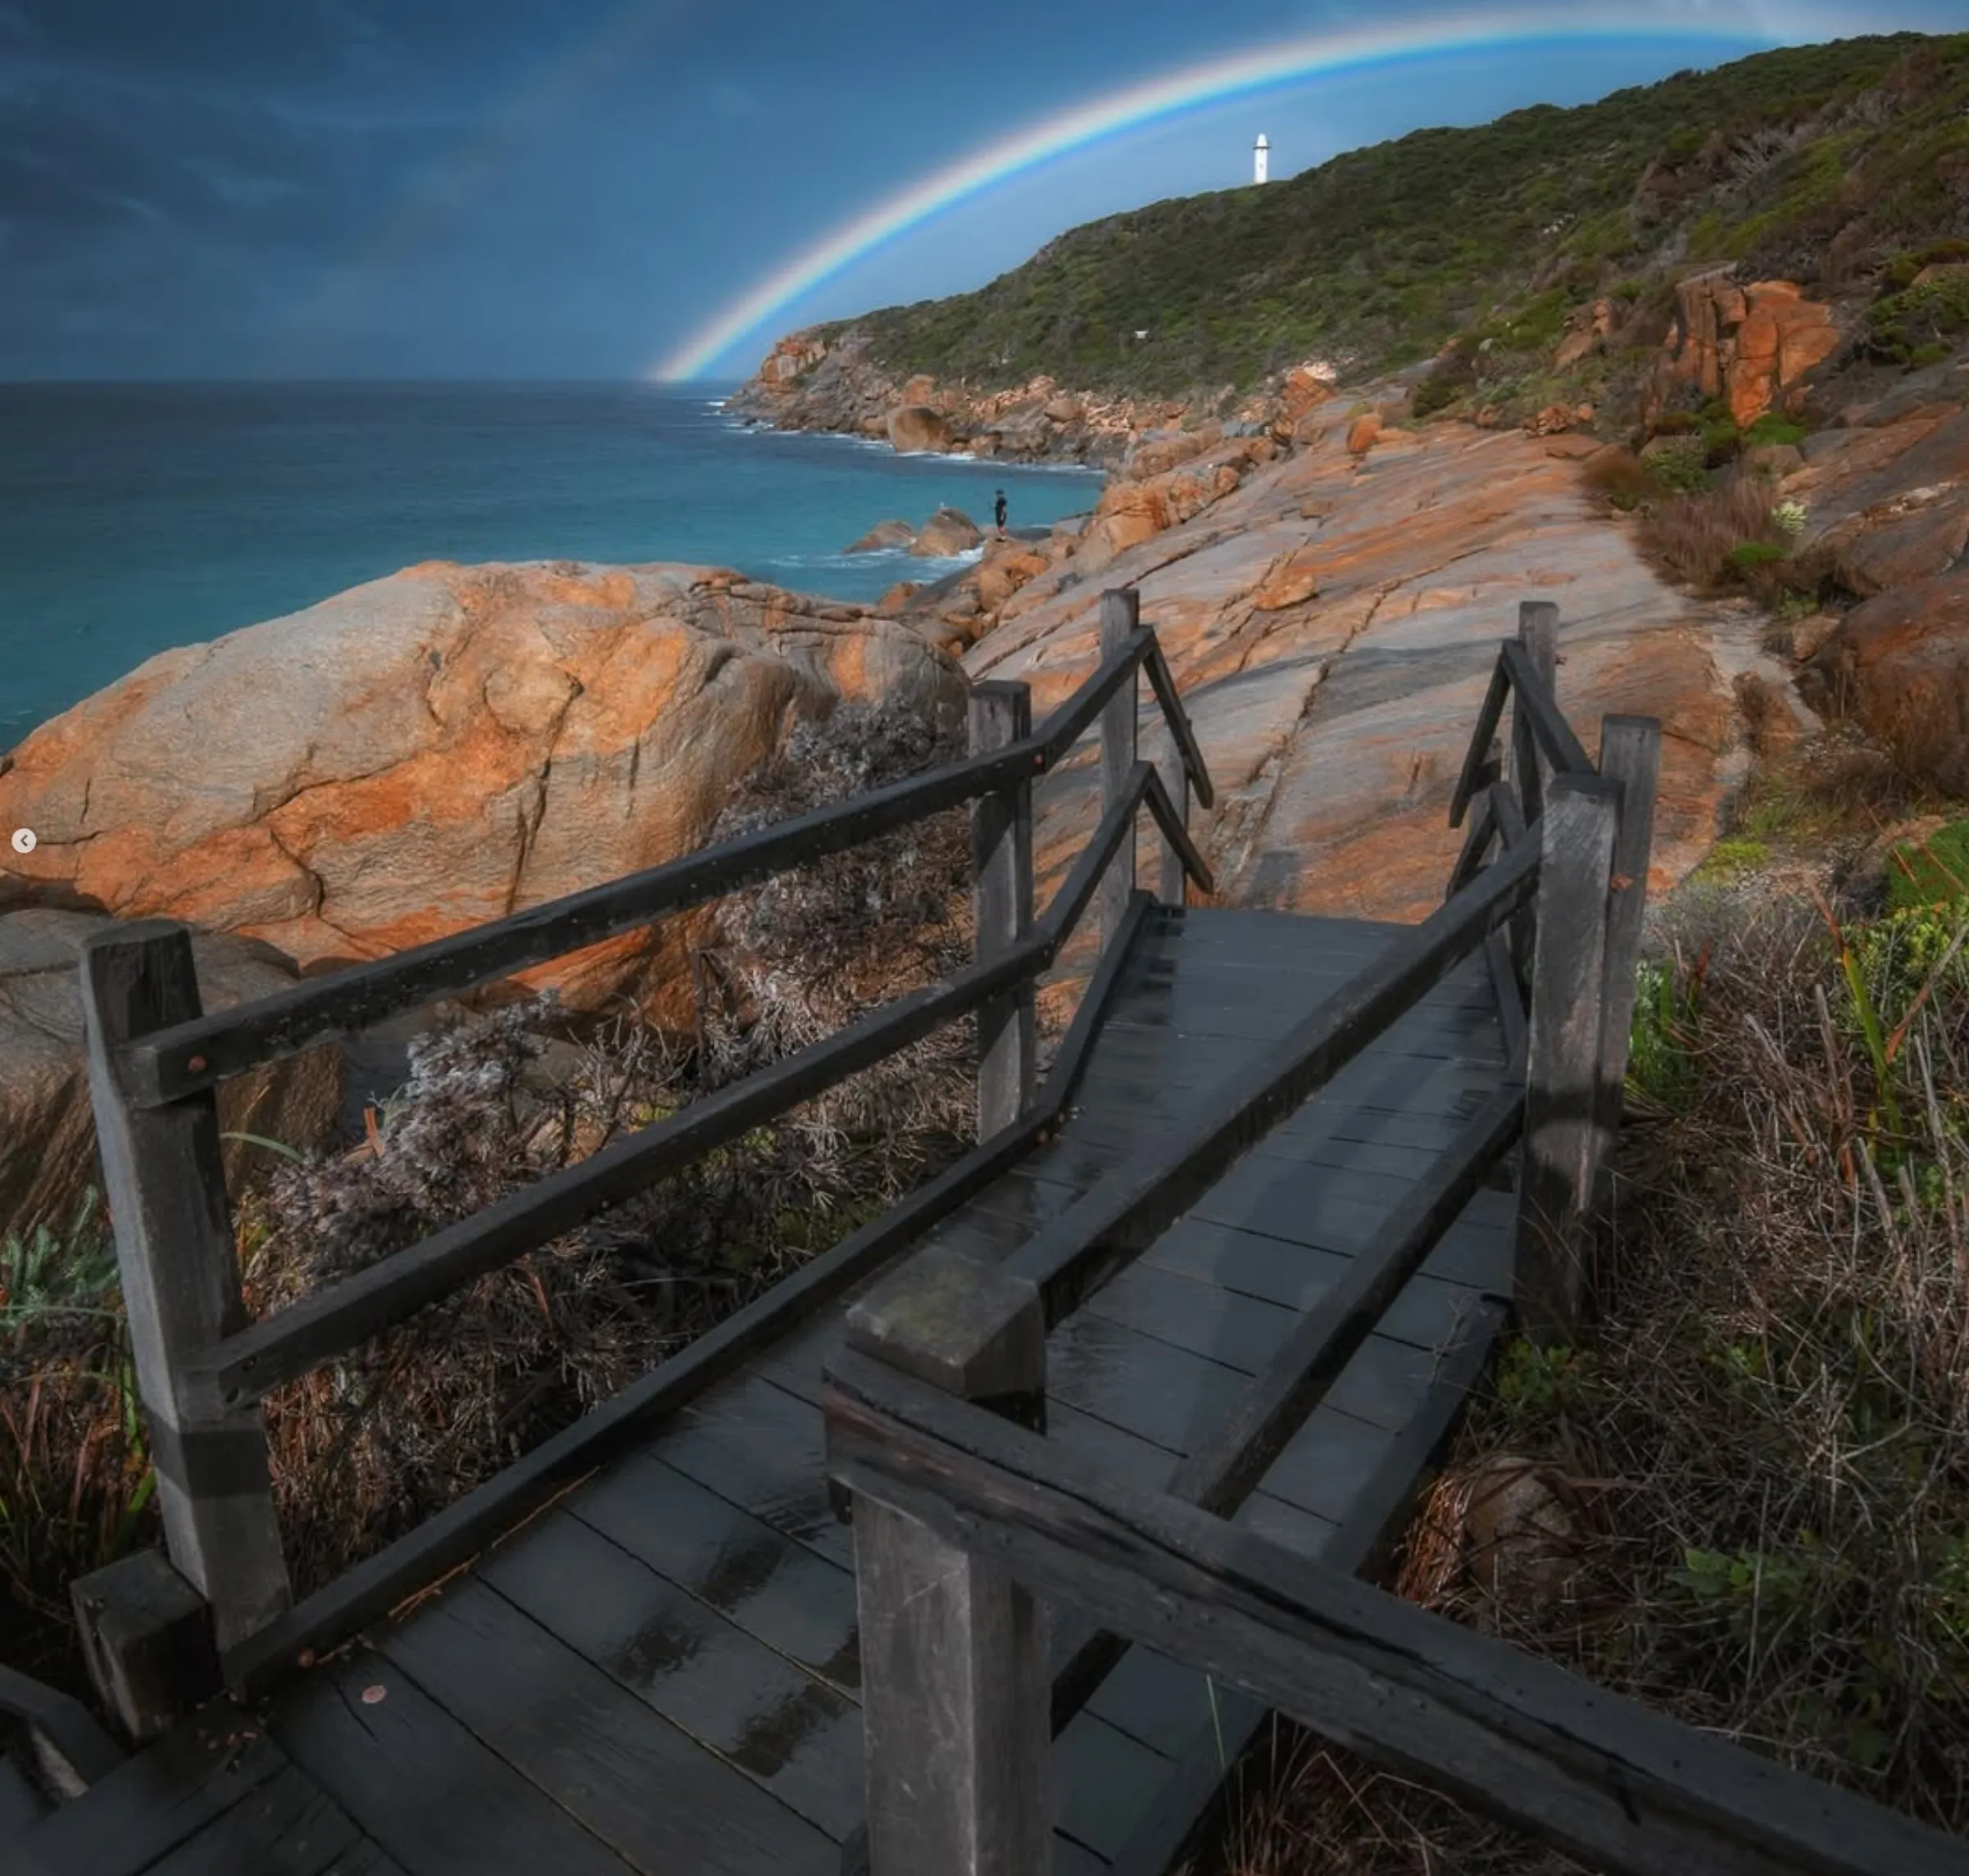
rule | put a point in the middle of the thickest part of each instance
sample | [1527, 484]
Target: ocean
[138, 517]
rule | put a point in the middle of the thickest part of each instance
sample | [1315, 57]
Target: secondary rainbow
[1262, 68]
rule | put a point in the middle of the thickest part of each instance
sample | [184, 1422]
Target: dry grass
[1692, 536]
[367, 1448]
[1762, 1443]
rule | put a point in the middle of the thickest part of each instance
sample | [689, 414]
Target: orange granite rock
[441, 748]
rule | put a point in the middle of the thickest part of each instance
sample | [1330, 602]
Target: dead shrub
[1619, 475]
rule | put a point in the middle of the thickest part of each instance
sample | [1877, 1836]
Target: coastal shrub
[1692, 536]
[1772, 428]
[1376, 256]
[1932, 872]
[1929, 320]
[1680, 465]
[1771, 1507]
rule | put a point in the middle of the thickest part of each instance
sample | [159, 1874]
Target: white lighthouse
[1261, 153]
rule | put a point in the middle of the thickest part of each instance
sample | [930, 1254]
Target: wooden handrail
[1122, 1215]
[1562, 748]
[954, 1774]
[169, 1064]
[1629, 1791]
[250, 1363]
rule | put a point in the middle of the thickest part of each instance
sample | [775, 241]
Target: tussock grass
[1764, 1436]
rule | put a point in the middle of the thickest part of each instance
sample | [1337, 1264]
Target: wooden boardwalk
[659, 1674]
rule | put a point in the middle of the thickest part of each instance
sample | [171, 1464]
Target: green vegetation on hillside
[1809, 161]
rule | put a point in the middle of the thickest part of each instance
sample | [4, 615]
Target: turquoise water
[133, 518]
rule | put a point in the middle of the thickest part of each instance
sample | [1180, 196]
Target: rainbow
[1318, 55]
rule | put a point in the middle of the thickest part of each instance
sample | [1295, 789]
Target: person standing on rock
[1000, 511]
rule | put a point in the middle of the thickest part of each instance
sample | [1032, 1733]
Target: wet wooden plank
[793, 1735]
[1327, 1464]
[1155, 1700]
[756, 1445]
[155, 1800]
[1473, 1254]
[367, 1858]
[776, 1590]
[1071, 1858]
[288, 1827]
[1238, 1330]
[1023, 1199]
[631, 1777]
[1103, 1781]
[1151, 1389]
[438, 1800]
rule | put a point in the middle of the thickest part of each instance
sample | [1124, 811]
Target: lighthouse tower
[1261, 153]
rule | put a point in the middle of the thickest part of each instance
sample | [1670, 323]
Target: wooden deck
[659, 1674]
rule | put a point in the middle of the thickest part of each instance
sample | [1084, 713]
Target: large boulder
[884, 535]
[949, 531]
[47, 1128]
[1899, 664]
[441, 748]
[914, 427]
[1746, 345]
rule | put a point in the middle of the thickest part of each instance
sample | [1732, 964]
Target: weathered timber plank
[1331, 1352]
[1328, 1463]
[288, 1827]
[367, 1858]
[1568, 1114]
[1102, 1780]
[756, 1445]
[153, 1801]
[792, 1735]
[164, 1183]
[1022, 1197]
[1155, 1700]
[630, 1778]
[440, 1801]
[774, 1589]
[1151, 1389]
[1532, 697]
[1239, 1331]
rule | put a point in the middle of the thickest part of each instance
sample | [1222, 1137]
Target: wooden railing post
[1173, 883]
[956, 1685]
[1120, 613]
[166, 1188]
[1630, 753]
[1538, 633]
[1001, 897]
[1565, 1141]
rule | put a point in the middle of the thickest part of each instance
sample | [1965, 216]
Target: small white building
[1261, 153]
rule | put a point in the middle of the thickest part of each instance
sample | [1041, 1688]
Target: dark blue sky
[573, 188]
